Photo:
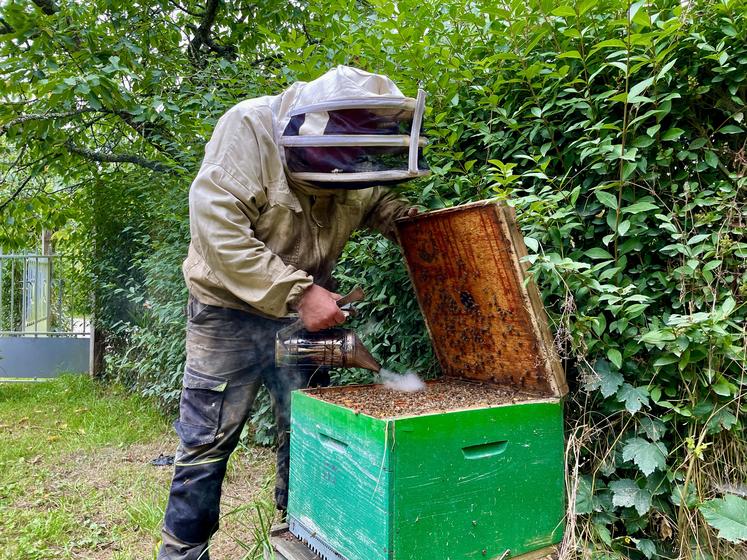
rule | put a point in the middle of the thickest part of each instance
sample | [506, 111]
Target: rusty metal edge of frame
[529, 292]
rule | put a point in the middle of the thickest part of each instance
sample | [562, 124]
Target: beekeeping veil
[350, 129]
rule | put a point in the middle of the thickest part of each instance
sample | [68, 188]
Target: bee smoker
[336, 347]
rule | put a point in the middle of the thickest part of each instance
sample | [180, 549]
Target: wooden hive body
[458, 484]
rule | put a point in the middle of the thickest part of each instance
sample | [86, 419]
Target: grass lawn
[76, 479]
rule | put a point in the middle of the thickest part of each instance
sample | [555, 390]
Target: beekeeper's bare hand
[318, 309]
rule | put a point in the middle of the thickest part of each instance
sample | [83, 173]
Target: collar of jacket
[286, 193]
[304, 189]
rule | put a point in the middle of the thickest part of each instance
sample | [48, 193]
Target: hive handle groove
[483, 450]
[333, 443]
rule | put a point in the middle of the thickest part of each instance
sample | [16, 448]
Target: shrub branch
[117, 158]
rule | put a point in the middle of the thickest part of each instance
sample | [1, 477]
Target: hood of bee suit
[349, 129]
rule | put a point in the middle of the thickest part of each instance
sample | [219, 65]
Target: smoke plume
[406, 383]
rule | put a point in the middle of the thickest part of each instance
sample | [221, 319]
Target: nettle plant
[618, 134]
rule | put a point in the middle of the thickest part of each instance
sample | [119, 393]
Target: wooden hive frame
[483, 311]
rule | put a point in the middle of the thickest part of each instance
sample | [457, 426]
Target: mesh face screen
[351, 121]
[355, 157]
[353, 185]
[349, 159]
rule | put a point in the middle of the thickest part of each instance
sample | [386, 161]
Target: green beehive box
[482, 480]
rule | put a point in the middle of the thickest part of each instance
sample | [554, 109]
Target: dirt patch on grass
[76, 481]
[115, 500]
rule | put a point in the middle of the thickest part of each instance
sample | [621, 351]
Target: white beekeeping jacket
[286, 179]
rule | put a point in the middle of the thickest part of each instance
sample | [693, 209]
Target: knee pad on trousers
[194, 503]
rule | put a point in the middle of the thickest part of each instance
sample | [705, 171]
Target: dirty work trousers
[230, 353]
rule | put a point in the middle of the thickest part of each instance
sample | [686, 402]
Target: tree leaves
[564, 11]
[615, 357]
[598, 253]
[729, 516]
[606, 198]
[638, 207]
[731, 129]
[672, 134]
[638, 88]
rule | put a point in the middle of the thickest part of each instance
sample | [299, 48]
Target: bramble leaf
[647, 547]
[729, 516]
[646, 455]
[634, 398]
[604, 379]
[626, 493]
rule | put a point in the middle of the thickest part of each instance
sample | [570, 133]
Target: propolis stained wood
[478, 482]
[484, 315]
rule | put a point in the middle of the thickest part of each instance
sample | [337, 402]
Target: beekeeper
[285, 180]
